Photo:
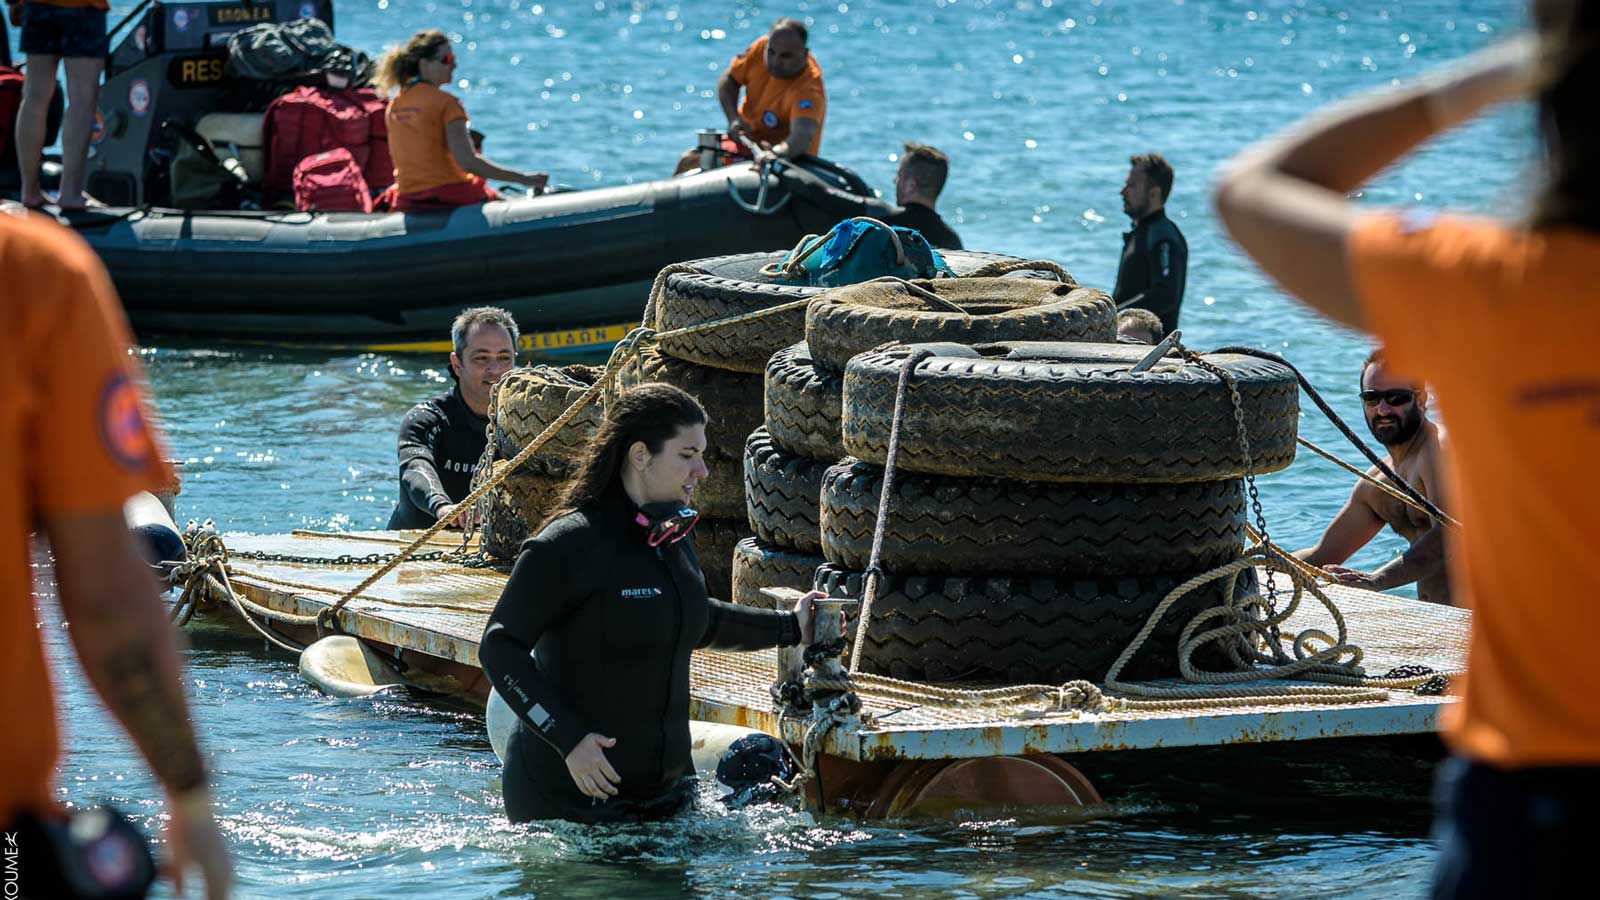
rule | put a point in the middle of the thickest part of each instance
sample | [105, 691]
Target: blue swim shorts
[63, 31]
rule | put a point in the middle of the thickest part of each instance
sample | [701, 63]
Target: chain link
[477, 560]
[1243, 432]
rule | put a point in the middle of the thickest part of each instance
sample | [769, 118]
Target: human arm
[802, 134]
[1423, 559]
[419, 472]
[733, 627]
[458, 137]
[541, 591]
[126, 646]
[1283, 199]
[1353, 528]
[728, 98]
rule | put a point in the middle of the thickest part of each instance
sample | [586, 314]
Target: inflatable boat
[573, 267]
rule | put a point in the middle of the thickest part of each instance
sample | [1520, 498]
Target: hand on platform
[1354, 578]
[590, 769]
[455, 514]
[805, 611]
[194, 840]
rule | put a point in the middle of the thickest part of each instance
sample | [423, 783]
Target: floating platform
[436, 611]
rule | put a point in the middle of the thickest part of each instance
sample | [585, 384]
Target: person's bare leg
[83, 93]
[38, 84]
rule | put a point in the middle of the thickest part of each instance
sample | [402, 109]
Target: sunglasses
[1396, 397]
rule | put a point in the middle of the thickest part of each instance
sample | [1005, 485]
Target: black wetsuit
[440, 443]
[593, 634]
[925, 220]
[1155, 260]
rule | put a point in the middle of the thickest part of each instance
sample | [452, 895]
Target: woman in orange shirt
[435, 164]
[1502, 318]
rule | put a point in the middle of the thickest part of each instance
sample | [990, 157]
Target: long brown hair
[1569, 36]
[653, 413]
[399, 65]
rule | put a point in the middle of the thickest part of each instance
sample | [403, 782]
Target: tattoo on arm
[153, 710]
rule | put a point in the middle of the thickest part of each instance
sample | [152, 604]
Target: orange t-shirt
[416, 119]
[771, 104]
[73, 439]
[1505, 325]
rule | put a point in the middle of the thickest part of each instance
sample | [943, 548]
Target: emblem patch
[122, 424]
[769, 119]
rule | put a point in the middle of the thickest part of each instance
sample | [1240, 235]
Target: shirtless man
[1397, 414]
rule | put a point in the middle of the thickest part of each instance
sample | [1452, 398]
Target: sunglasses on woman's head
[1396, 397]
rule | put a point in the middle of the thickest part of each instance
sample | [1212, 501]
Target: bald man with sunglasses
[1397, 415]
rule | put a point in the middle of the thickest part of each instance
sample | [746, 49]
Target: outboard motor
[168, 65]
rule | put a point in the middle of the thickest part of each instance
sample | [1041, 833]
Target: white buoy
[341, 666]
[707, 740]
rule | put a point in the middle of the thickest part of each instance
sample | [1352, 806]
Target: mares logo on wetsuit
[122, 424]
[640, 593]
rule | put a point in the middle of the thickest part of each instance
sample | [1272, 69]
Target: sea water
[1039, 104]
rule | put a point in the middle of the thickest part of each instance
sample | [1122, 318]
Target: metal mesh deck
[440, 609]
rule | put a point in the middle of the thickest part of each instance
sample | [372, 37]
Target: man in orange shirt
[72, 32]
[74, 444]
[1467, 304]
[784, 100]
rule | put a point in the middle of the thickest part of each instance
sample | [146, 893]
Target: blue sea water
[1039, 104]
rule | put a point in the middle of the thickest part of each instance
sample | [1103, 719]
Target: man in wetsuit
[784, 100]
[917, 184]
[1397, 414]
[442, 439]
[1155, 257]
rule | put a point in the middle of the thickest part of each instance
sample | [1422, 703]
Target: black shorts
[63, 31]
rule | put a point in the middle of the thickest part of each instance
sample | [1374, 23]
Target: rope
[997, 269]
[1305, 384]
[1392, 492]
[924, 294]
[204, 575]
[885, 497]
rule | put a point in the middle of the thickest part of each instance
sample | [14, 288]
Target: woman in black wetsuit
[590, 641]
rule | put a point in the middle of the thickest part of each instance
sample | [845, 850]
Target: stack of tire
[1046, 499]
[723, 368]
[525, 402]
[787, 463]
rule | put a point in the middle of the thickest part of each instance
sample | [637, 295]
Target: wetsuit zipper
[677, 635]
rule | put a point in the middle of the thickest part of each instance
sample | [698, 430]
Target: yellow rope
[1369, 479]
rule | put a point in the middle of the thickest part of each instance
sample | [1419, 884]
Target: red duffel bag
[331, 181]
[310, 120]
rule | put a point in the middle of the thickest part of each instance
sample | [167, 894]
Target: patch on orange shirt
[122, 423]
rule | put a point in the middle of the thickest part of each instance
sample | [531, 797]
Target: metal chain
[1243, 432]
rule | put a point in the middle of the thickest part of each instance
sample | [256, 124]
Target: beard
[1397, 429]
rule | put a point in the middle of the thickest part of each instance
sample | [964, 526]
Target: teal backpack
[859, 250]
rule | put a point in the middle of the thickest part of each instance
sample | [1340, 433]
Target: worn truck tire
[516, 505]
[848, 321]
[804, 406]
[942, 525]
[733, 285]
[1070, 412]
[1015, 630]
[758, 564]
[781, 491]
[527, 400]
[714, 540]
[732, 400]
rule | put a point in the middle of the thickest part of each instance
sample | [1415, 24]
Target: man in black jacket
[917, 184]
[441, 439]
[1155, 257]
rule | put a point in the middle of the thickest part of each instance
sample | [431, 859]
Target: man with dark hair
[1155, 257]
[1397, 415]
[917, 184]
[1138, 326]
[442, 439]
[784, 100]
